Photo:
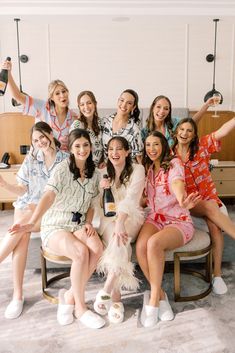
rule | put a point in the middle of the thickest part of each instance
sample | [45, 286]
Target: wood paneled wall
[209, 124]
[14, 131]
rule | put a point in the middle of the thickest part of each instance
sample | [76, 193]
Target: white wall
[153, 55]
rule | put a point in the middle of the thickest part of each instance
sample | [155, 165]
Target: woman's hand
[210, 102]
[6, 65]
[120, 233]
[19, 228]
[89, 230]
[102, 165]
[191, 200]
[105, 183]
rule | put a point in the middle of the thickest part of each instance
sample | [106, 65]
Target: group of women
[163, 166]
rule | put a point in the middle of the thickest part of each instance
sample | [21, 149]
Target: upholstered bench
[198, 247]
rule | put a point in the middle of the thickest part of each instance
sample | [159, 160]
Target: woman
[195, 155]
[89, 120]
[66, 227]
[125, 122]
[32, 178]
[160, 118]
[127, 183]
[168, 224]
[54, 111]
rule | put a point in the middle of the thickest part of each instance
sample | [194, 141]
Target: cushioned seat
[199, 247]
[48, 255]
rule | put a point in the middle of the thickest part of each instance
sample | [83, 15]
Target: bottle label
[110, 207]
[2, 85]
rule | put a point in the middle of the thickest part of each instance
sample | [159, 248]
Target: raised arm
[225, 129]
[16, 189]
[197, 117]
[15, 91]
[185, 201]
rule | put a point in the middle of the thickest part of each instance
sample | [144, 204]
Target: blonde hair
[52, 86]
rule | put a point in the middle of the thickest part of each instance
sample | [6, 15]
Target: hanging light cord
[216, 20]
[18, 47]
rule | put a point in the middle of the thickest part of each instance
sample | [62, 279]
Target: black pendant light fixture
[21, 58]
[212, 58]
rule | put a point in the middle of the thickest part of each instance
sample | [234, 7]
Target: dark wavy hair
[128, 169]
[165, 157]
[44, 128]
[151, 126]
[194, 144]
[95, 125]
[136, 112]
[89, 165]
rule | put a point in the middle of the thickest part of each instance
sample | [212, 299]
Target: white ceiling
[34, 9]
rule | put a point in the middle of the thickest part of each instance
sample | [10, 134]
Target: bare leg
[218, 245]
[18, 245]
[166, 239]
[65, 243]
[95, 247]
[211, 210]
[145, 234]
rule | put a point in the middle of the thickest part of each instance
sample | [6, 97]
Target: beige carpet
[205, 326]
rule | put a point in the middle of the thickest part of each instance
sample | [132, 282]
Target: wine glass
[217, 99]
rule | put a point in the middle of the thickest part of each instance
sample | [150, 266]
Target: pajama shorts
[186, 228]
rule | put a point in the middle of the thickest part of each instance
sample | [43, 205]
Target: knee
[99, 249]
[80, 253]
[154, 246]
[141, 248]
[210, 207]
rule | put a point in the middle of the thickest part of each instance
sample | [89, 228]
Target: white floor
[205, 326]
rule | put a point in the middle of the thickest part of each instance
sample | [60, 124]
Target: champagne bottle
[4, 79]
[108, 201]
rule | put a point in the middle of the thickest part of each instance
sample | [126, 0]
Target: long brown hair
[151, 126]
[95, 125]
[165, 157]
[194, 144]
[89, 165]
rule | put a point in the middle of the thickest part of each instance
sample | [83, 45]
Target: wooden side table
[9, 175]
[223, 175]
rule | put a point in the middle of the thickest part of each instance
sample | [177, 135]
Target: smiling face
[117, 153]
[81, 149]
[42, 141]
[185, 133]
[60, 97]
[153, 148]
[86, 106]
[161, 110]
[126, 103]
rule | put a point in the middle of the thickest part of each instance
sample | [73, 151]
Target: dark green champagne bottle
[108, 201]
[4, 79]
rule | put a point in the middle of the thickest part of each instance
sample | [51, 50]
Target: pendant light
[21, 58]
[210, 58]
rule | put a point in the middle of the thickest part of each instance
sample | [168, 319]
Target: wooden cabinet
[223, 175]
[10, 176]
